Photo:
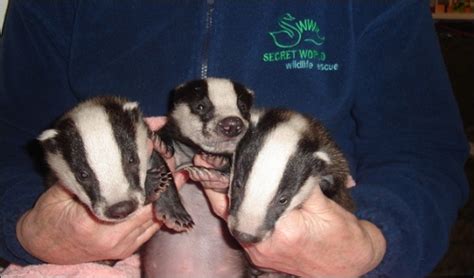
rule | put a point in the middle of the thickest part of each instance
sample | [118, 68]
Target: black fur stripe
[248, 149]
[124, 126]
[244, 99]
[301, 165]
[72, 147]
[195, 93]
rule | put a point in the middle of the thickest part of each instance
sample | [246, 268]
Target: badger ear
[320, 163]
[129, 106]
[327, 181]
[48, 139]
[251, 93]
[48, 134]
[322, 155]
[132, 109]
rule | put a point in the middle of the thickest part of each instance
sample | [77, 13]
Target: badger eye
[200, 108]
[131, 160]
[283, 200]
[242, 106]
[83, 175]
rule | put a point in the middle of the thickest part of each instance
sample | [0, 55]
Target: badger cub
[283, 156]
[98, 150]
[277, 164]
[211, 116]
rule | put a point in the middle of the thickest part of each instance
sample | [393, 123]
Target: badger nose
[230, 126]
[244, 237]
[121, 209]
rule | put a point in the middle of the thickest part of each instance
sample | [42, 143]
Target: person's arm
[409, 141]
[35, 92]
[55, 227]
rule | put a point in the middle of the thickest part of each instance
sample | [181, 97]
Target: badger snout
[121, 209]
[230, 126]
[244, 237]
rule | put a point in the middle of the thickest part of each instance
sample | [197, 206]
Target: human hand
[319, 239]
[61, 230]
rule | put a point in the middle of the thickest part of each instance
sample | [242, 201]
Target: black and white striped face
[211, 113]
[98, 151]
[276, 166]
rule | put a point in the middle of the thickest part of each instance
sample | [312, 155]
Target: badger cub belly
[98, 150]
[277, 165]
[211, 116]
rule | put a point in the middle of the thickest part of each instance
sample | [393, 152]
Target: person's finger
[147, 233]
[142, 216]
[219, 202]
[180, 178]
[316, 203]
[350, 182]
[59, 192]
[155, 123]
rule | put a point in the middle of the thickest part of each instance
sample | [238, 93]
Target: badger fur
[276, 166]
[211, 116]
[98, 151]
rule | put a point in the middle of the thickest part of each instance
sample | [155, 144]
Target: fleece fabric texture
[372, 72]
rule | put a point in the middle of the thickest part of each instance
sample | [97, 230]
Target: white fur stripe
[103, 153]
[267, 172]
[222, 94]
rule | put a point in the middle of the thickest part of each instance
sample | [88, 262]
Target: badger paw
[216, 161]
[158, 180]
[164, 147]
[174, 218]
[209, 178]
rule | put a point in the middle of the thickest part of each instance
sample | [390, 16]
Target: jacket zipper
[207, 39]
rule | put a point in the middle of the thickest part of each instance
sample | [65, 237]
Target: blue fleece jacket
[371, 71]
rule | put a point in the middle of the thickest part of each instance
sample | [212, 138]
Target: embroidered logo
[299, 44]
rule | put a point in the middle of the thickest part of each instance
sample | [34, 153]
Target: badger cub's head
[276, 166]
[211, 114]
[98, 151]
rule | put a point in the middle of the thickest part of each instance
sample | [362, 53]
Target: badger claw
[179, 221]
[161, 190]
[217, 161]
[209, 178]
[158, 180]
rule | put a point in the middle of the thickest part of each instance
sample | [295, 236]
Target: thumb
[58, 193]
[180, 178]
[155, 123]
[219, 202]
[317, 202]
